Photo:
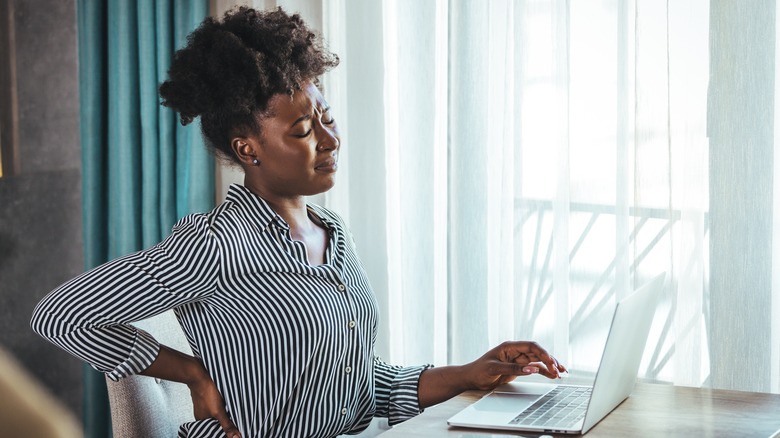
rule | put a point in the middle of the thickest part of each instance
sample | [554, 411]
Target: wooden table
[652, 410]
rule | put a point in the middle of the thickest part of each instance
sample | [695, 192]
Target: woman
[269, 290]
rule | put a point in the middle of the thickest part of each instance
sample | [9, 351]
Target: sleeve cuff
[144, 351]
[404, 400]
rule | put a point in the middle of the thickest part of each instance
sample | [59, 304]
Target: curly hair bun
[229, 69]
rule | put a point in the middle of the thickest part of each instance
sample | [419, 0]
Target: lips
[329, 165]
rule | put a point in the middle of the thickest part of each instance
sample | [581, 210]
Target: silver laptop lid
[626, 341]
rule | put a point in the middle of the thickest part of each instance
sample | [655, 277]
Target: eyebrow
[307, 116]
[300, 119]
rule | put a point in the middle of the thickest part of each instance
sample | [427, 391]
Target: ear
[246, 150]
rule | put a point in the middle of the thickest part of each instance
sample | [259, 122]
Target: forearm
[176, 366]
[440, 384]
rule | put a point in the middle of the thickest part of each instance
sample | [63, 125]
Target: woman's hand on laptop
[500, 365]
[505, 362]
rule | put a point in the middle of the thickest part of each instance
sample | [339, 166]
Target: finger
[512, 369]
[543, 370]
[525, 359]
[533, 352]
[558, 367]
[552, 367]
[233, 433]
[523, 347]
[526, 352]
[528, 369]
[532, 359]
[228, 426]
[552, 374]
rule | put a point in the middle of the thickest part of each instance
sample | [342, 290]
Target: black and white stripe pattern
[289, 345]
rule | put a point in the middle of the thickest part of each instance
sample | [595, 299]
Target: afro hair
[230, 69]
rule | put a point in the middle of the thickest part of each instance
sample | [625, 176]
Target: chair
[142, 406]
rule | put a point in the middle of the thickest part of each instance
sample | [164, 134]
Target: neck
[291, 208]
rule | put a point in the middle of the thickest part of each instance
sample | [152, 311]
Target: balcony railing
[655, 225]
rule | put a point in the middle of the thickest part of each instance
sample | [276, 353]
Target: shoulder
[202, 223]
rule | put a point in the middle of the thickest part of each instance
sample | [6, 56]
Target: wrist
[454, 377]
[195, 373]
[176, 366]
[442, 383]
[465, 378]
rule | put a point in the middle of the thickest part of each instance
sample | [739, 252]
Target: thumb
[514, 369]
[529, 369]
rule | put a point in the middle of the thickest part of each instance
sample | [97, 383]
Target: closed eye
[304, 135]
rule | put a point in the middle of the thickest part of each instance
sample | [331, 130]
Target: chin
[329, 183]
[322, 188]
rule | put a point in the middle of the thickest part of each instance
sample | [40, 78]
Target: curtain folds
[141, 169]
[537, 160]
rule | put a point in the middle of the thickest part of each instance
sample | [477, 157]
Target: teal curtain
[141, 170]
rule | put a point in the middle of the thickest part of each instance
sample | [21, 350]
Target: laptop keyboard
[560, 408]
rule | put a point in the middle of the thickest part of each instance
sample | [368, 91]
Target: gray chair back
[146, 407]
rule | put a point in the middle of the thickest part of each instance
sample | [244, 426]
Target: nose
[327, 138]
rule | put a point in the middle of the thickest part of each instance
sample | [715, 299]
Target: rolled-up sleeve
[396, 391]
[90, 316]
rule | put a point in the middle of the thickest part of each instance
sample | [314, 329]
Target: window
[533, 161]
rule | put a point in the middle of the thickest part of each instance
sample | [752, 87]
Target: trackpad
[505, 402]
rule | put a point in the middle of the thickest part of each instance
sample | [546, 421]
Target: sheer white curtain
[512, 168]
[515, 167]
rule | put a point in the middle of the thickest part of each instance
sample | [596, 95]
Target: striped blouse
[289, 345]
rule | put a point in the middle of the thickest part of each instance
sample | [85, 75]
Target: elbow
[37, 321]
[43, 322]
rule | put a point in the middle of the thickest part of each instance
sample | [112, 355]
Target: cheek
[300, 156]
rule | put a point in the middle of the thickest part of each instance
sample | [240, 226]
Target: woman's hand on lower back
[207, 402]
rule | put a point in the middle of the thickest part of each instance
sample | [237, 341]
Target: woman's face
[299, 145]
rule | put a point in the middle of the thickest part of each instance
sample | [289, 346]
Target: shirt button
[348, 370]
[342, 287]
[343, 411]
[352, 324]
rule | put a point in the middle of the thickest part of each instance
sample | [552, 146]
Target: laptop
[572, 409]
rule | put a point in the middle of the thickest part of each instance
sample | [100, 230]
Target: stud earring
[256, 162]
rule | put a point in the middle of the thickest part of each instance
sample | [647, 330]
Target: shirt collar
[255, 206]
[326, 219]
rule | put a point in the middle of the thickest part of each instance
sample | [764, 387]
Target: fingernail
[530, 370]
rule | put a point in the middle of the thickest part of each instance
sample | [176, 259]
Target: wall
[40, 208]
